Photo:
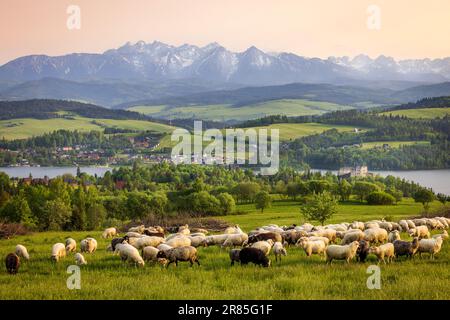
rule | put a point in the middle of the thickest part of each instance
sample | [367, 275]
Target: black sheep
[363, 251]
[253, 255]
[405, 248]
[116, 241]
[12, 263]
[154, 234]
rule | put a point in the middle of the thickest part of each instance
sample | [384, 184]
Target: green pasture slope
[224, 112]
[296, 277]
[392, 144]
[424, 113]
[26, 128]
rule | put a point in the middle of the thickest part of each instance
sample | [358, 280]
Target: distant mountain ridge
[160, 61]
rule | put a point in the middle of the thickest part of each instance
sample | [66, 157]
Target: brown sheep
[12, 263]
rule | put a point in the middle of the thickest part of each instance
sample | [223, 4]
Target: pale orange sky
[319, 28]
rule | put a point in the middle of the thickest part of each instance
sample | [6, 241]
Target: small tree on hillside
[425, 197]
[442, 198]
[263, 200]
[320, 207]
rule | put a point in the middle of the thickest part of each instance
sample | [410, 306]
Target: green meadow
[224, 112]
[392, 144]
[425, 113]
[26, 128]
[296, 277]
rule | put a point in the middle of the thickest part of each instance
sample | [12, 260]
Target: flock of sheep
[357, 240]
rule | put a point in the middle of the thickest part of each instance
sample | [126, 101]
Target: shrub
[380, 198]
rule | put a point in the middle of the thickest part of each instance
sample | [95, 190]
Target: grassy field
[224, 112]
[425, 113]
[296, 277]
[25, 128]
[392, 144]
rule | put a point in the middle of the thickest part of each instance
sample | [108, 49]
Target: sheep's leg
[198, 262]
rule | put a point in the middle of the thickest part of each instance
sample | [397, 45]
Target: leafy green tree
[58, 214]
[159, 202]
[17, 210]
[397, 194]
[203, 203]
[344, 189]
[293, 190]
[319, 186]
[442, 198]
[320, 207]
[380, 198]
[95, 214]
[246, 191]
[263, 200]
[280, 188]
[227, 204]
[79, 218]
[425, 197]
[362, 189]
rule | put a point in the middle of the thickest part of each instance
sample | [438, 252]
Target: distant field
[425, 113]
[293, 131]
[224, 112]
[392, 144]
[25, 128]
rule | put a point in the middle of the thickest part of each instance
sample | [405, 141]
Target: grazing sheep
[180, 241]
[443, 235]
[197, 241]
[363, 251]
[234, 240]
[278, 251]
[386, 225]
[163, 247]
[355, 235]
[406, 248]
[129, 253]
[420, 231]
[231, 230]
[199, 230]
[148, 242]
[394, 235]
[384, 251]
[338, 252]
[186, 253]
[443, 221]
[396, 226]
[139, 229]
[79, 259]
[71, 245]
[264, 246]
[217, 239]
[431, 246]
[420, 222]
[152, 233]
[375, 235]
[116, 241]
[109, 233]
[58, 251]
[255, 256]
[88, 245]
[324, 239]
[357, 225]
[109, 248]
[184, 230]
[234, 256]
[327, 233]
[411, 224]
[22, 252]
[292, 236]
[275, 237]
[371, 225]
[12, 262]
[151, 254]
[404, 225]
[132, 234]
[312, 246]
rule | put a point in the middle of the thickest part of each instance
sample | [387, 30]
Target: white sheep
[163, 247]
[129, 253]
[420, 231]
[327, 233]
[148, 241]
[22, 252]
[264, 246]
[404, 225]
[234, 240]
[217, 239]
[132, 234]
[79, 259]
[354, 235]
[357, 225]
[88, 245]
[386, 225]
[375, 235]
[184, 230]
[181, 241]
[431, 246]
[312, 246]
[394, 235]
[151, 253]
[384, 251]
[197, 240]
[411, 224]
[71, 245]
[324, 239]
[139, 229]
[109, 233]
[187, 253]
[278, 250]
[337, 252]
[58, 251]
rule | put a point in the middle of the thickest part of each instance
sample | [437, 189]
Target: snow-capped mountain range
[160, 61]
